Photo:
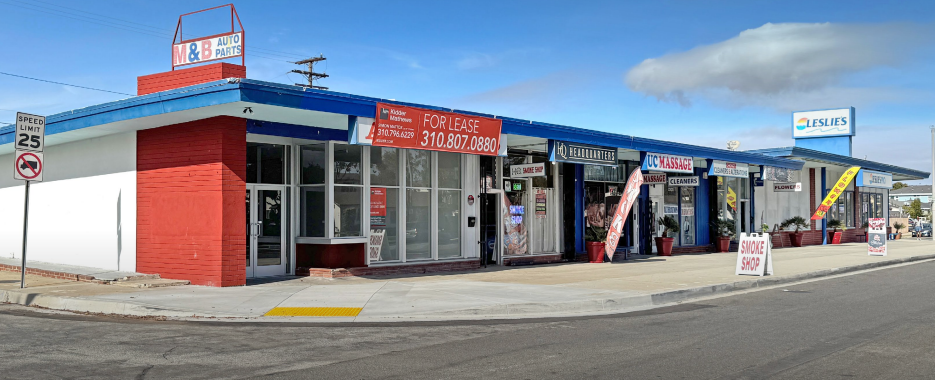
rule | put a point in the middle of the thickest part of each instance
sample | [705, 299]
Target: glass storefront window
[418, 168]
[347, 164]
[388, 223]
[384, 166]
[266, 163]
[687, 224]
[347, 211]
[449, 170]
[418, 224]
[312, 206]
[314, 161]
[449, 223]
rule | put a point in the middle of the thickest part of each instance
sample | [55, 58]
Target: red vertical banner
[623, 209]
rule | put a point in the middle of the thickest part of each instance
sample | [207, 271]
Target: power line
[65, 84]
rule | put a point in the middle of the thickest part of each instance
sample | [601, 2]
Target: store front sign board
[527, 170]
[561, 151]
[772, 173]
[654, 179]
[668, 163]
[407, 127]
[754, 256]
[869, 178]
[684, 181]
[222, 46]
[787, 187]
[876, 236]
[729, 169]
[823, 123]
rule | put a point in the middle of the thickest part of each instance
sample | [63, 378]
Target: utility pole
[932, 176]
[310, 74]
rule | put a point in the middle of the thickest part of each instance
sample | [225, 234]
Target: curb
[590, 307]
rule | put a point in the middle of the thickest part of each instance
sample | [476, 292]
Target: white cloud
[774, 63]
[476, 61]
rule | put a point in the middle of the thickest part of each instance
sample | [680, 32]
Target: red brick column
[190, 201]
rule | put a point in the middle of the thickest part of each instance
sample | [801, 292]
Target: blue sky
[718, 71]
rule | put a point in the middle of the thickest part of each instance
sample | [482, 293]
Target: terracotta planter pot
[595, 251]
[797, 238]
[899, 236]
[664, 246]
[723, 243]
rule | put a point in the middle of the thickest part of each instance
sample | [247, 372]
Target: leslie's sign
[416, 128]
[208, 49]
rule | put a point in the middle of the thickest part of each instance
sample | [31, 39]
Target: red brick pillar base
[190, 203]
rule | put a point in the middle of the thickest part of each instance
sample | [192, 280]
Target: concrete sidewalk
[573, 289]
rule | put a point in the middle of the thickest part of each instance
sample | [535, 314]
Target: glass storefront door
[265, 231]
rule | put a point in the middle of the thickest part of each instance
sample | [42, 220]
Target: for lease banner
[835, 192]
[416, 128]
[623, 209]
[208, 49]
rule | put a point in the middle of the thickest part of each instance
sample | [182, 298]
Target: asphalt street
[873, 325]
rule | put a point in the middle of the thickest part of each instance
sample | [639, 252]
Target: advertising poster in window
[377, 207]
[514, 230]
[376, 243]
[876, 236]
[541, 202]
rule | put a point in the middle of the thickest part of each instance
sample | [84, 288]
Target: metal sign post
[28, 165]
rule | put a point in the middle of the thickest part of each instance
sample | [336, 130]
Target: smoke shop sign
[668, 163]
[561, 151]
[728, 169]
[527, 170]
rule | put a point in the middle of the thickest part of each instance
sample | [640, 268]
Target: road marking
[313, 312]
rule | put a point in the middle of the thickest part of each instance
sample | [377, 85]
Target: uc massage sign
[406, 127]
[207, 49]
[668, 163]
[823, 123]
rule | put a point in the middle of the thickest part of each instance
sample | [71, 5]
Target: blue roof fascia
[814, 155]
[203, 95]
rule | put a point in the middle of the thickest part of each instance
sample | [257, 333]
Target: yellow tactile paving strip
[313, 312]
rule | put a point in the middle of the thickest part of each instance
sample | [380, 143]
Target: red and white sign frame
[177, 36]
[754, 255]
[23, 166]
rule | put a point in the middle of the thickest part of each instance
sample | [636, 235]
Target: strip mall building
[211, 177]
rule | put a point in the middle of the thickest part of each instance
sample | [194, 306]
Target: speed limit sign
[30, 132]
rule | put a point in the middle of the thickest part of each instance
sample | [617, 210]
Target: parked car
[926, 230]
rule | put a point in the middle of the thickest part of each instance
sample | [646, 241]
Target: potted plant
[799, 223]
[594, 238]
[724, 230]
[898, 226]
[835, 236]
[664, 242]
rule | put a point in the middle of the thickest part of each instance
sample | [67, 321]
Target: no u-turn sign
[28, 166]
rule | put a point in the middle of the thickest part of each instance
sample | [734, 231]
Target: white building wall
[83, 213]
[780, 206]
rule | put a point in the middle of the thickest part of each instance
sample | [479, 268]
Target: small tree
[670, 223]
[796, 221]
[595, 234]
[914, 208]
[835, 224]
[898, 226]
[899, 185]
[724, 227]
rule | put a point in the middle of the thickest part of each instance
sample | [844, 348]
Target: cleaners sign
[728, 169]
[212, 48]
[668, 163]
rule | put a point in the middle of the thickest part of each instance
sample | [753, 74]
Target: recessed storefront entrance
[265, 232]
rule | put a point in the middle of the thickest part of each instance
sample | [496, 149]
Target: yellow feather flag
[835, 192]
